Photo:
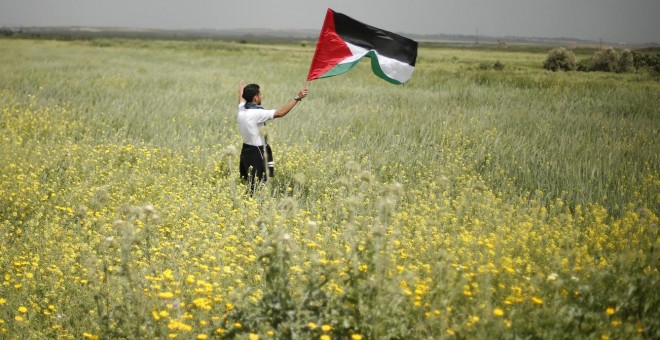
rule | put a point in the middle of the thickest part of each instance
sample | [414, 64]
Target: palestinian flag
[344, 41]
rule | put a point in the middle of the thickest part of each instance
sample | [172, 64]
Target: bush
[485, 66]
[643, 60]
[626, 62]
[611, 60]
[584, 65]
[497, 66]
[560, 59]
[605, 61]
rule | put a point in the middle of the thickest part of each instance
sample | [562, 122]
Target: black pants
[253, 163]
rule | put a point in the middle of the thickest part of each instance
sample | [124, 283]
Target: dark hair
[250, 91]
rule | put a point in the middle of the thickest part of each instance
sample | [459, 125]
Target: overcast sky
[631, 21]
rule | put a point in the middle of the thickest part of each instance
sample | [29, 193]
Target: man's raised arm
[240, 93]
[282, 111]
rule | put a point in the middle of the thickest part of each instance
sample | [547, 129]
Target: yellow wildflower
[498, 312]
[609, 310]
[174, 324]
[202, 303]
[165, 295]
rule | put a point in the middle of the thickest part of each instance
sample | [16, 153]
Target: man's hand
[282, 111]
[302, 93]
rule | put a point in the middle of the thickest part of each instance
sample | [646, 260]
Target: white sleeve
[265, 115]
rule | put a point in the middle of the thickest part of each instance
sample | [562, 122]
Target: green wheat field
[469, 203]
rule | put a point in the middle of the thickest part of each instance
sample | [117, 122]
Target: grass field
[467, 203]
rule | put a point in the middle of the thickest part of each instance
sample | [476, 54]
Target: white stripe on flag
[393, 68]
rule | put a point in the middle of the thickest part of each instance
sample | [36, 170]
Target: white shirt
[249, 122]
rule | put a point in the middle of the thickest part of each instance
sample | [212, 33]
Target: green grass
[467, 203]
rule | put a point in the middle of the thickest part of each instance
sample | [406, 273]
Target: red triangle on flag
[331, 49]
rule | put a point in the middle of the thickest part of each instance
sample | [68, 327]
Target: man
[251, 116]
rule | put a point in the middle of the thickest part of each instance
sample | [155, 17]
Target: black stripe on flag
[384, 42]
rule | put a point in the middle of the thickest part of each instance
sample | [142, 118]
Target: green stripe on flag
[339, 69]
[375, 66]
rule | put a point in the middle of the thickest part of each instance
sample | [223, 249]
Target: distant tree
[560, 59]
[7, 32]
